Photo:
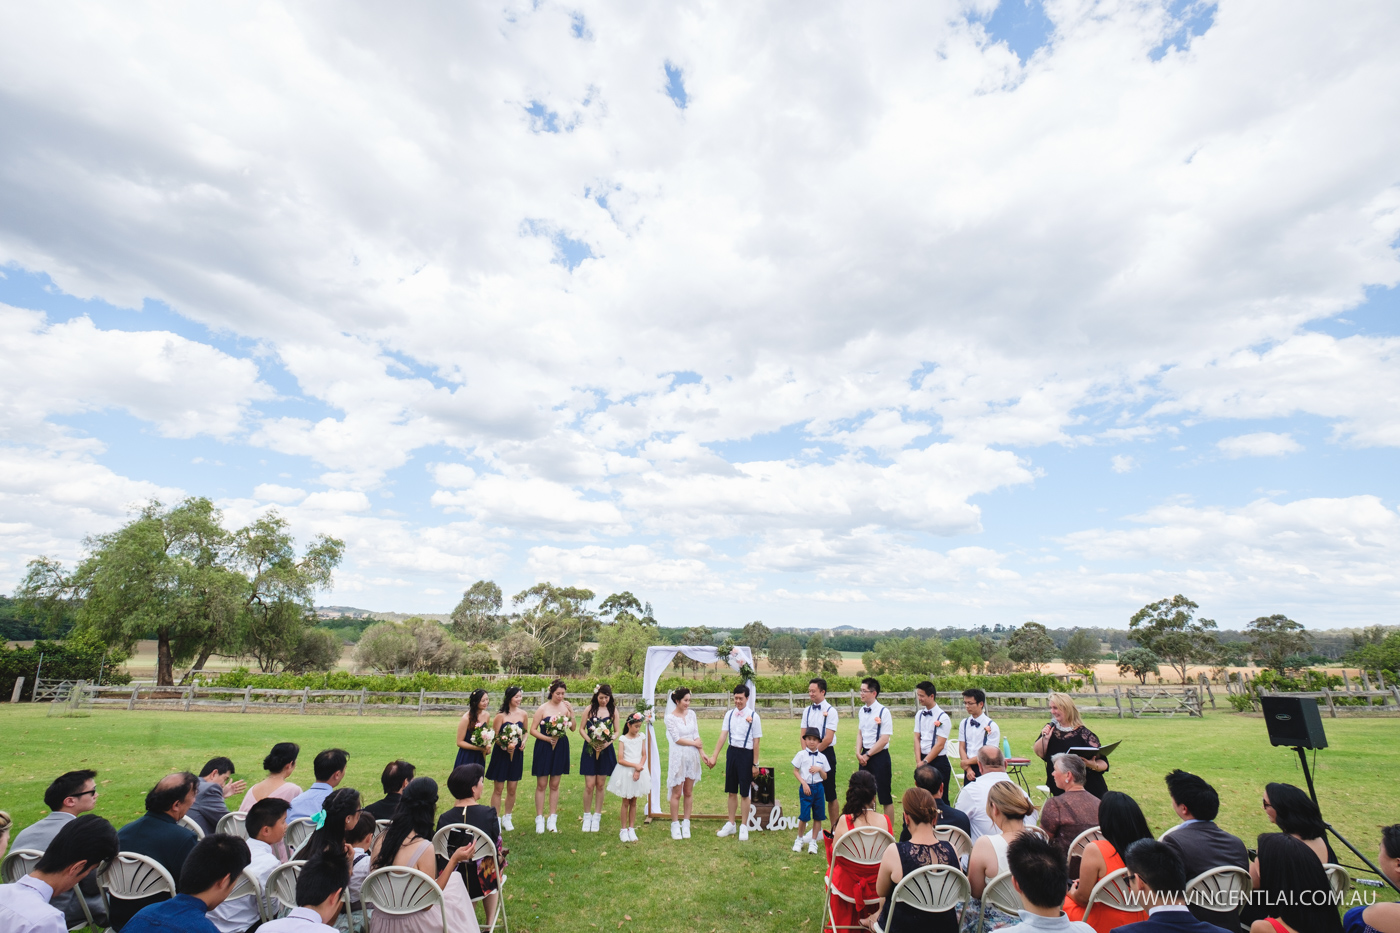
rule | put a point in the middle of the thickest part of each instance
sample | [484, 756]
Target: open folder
[1085, 751]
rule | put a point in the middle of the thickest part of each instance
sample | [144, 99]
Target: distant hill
[350, 612]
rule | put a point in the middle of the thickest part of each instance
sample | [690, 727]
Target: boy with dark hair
[809, 766]
[823, 717]
[1159, 879]
[1201, 844]
[266, 825]
[216, 785]
[1039, 873]
[320, 889]
[875, 728]
[329, 768]
[975, 732]
[70, 795]
[208, 876]
[76, 849]
[395, 778]
[742, 731]
[932, 727]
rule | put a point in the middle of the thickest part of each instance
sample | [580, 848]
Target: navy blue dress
[549, 762]
[465, 756]
[504, 766]
[589, 762]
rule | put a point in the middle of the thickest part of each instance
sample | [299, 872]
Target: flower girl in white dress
[631, 779]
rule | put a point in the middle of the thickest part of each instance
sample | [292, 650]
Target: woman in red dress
[855, 881]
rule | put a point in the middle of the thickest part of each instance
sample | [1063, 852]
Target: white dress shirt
[741, 730]
[976, 731]
[875, 724]
[807, 763]
[359, 871]
[300, 920]
[931, 725]
[24, 908]
[972, 800]
[238, 914]
[822, 717]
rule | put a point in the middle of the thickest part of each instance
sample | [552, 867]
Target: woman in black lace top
[1065, 731]
[923, 848]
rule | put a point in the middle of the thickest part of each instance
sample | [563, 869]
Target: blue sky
[1044, 315]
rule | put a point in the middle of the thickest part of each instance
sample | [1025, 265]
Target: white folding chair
[931, 889]
[1082, 842]
[18, 863]
[864, 845]
[955, 837]
[133, 877]
[233, 824]
[1113, 891]
[1338, 877]
[485, 847]
[192, 826]
[280, 889]
[379, 827]
[399, 891]
[1169, 830]
[1039, 832]
[248, 886]
[1001, 894]
[1220, 889]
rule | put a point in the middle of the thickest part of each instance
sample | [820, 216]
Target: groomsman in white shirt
[975, 732]
[823, 717]
[742, 730]
[873, 736]
[932, 727]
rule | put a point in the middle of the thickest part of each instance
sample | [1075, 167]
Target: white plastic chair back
[1169, 830]
[1082, 841]
[281, 886]
[930, 888]
[192, 826]
[955, 837]
[1039, 832]
[399, 891]
[485, 848]
[298, 831]
[247, 885]
[1113, 891]
[1001, 894]
[233, 824]
[18, 863]
[1220, 889]
[864, 845]
[1338, 877]
[133, 877]
[379, 827]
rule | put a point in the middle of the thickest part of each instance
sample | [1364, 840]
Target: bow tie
[866, 709]
[974, 723]
[816, 706]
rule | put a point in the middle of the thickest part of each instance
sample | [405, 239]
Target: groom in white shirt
[742, 730]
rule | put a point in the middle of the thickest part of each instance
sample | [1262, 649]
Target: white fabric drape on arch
[659, 658]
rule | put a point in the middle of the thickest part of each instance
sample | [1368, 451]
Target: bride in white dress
[685, 757]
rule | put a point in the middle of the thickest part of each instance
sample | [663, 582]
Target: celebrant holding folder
[1066, 732]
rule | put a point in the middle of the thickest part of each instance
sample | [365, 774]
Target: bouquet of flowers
[644, 707]
[745, 673]
[554, 726]
[482, 736]
[510, 737]
[600, 732]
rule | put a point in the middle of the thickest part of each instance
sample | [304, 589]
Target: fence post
[131, 704]
[305, 696]
[853, 704]
[422, 692]
[1331, 707]
[1209, 692]
[1396, 691]
[363, 692]
[1118, 702]
[19, 688]
[792, 710]
[1131, 709]
[1346, 681]
[1366, 685]
[34, 697]
[247, 691]
[189, 695]
[1094, 678]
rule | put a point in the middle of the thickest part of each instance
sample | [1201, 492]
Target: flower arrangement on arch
[746, 673]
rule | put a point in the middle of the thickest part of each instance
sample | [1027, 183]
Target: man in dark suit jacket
[216, 784]
[1160, 881]
[931, 779]
[1199, 843]
[158, 835]
[395, 778]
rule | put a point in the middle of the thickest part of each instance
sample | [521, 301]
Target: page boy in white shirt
[742, 730]
[873, 736]
[810, 767]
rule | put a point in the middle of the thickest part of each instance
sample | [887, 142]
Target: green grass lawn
[573, 881]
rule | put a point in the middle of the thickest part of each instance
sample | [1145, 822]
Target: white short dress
[684, 759]
[622, 783]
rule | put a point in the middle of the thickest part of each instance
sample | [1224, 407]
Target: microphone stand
[1312, 792]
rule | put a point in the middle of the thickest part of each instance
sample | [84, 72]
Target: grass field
[573, 881]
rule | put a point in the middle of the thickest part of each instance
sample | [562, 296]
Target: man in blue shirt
[158, 835]
[206, 879]
[329, 768]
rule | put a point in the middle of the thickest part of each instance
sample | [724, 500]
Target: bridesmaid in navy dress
[551, 755]
[597, 764]
[507, 765]
[478, 714]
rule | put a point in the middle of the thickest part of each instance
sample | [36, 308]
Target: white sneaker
[506, 823]
[675, 829]
[812, 848]
[597, 821]
[539, 824]
[726, 830]
[588, 822]
[801, 841]
[685, 829]
[632, 833]
[622, 834]
[743, 834]
[553, 824]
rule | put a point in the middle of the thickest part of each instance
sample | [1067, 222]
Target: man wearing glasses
[68, 796]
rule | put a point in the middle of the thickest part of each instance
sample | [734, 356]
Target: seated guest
[279, 765]
[923, 848]
[341, 812]
[75, 850]
[1295, 813]
[215, 784]
[466, 785]
[208, 876]
[1122, 823]
[395, 778]
[1159, 880]
[930, 778]
[1008, 809]
[853, 880]
[1201, 844]
[70, 794]
[329, 768]
[1293, 888]
[1380, 918]
[1075, 809]
[1038, 873]
[320, 888]
[266, 825]
[973, 798]
[408, 842]
[158, 835]
[360, 837]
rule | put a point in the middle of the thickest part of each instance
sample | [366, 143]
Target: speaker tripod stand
[1312, 792]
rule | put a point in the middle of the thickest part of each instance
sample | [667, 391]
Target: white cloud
[271, 492]
[1123, 463]
[1259, 444]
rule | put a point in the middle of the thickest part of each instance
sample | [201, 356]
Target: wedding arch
[659, 657]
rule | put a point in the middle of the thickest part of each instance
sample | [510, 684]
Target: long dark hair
[282, 754]
[328, 842]
[1287, 868]
[473, 702]
[416, 810]
[860, 793]
[1121, 821]
[1295, 812]
[603, 690]
[511, 691]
